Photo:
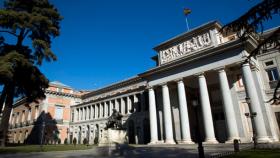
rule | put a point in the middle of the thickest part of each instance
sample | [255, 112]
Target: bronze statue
[115, 120]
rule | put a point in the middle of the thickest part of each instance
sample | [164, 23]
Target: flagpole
[187, 12]
[187, 23]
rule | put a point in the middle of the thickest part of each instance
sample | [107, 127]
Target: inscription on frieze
[188, 46]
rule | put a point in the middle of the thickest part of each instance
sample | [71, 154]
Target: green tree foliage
[251, 24]
[27, 21]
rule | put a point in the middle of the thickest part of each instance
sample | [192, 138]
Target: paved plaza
[163, 151]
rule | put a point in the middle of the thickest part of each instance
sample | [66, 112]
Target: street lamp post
[198, 136]
[252, 115]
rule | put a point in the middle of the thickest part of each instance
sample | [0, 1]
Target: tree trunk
[6, 115]
[2, 98]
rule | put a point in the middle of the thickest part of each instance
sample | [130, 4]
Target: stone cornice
[62, 94]
[111, 95]
[111, 87]
[19, 102]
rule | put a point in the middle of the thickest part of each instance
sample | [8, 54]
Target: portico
[186, 72]
[185, 93]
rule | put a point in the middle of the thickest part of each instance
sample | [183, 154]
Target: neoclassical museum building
[201, 85]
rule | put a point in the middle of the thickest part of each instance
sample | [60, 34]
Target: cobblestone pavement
[137, 151]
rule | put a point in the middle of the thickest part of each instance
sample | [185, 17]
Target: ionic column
[228, 107]
[128, 104]
[184, 116]
[82, 114]
[168, 127]
[96, 111]
[106, 109]
[85, 112]
[206, 111]
[117, 106]
[88, 113]
[122, 105]
[135, 103]
[110, 107]
[255, 103]
[100, 110]
[92, 112]
[76, 115]
[153, 116]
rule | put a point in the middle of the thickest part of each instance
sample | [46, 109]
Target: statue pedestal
[111, 137]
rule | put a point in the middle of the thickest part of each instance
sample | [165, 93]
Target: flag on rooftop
[187, 11]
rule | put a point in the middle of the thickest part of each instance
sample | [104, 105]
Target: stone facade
[201, 65]
[199, 72]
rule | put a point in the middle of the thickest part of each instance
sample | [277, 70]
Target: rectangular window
[269, 63]
[58, 112]
[72, 116]
[272, 74]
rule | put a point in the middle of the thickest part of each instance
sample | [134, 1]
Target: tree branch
[26, 33]
[9, 32]
[272, 38]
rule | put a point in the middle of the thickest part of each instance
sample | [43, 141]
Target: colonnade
[230, 117]
[125, 105]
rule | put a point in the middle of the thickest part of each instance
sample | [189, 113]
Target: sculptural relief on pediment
[186, 47]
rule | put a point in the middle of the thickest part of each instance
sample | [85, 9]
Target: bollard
[236, 145]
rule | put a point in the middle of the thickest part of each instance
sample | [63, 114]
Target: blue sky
[105, 41]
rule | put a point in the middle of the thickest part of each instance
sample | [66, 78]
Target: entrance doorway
[131, 133]
[146, 130]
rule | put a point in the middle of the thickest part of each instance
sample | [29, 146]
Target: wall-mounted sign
[193, 44]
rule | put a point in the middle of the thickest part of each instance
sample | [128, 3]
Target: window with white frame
[72, 116]
[271, 70]
[272, 74]
[58, 112]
